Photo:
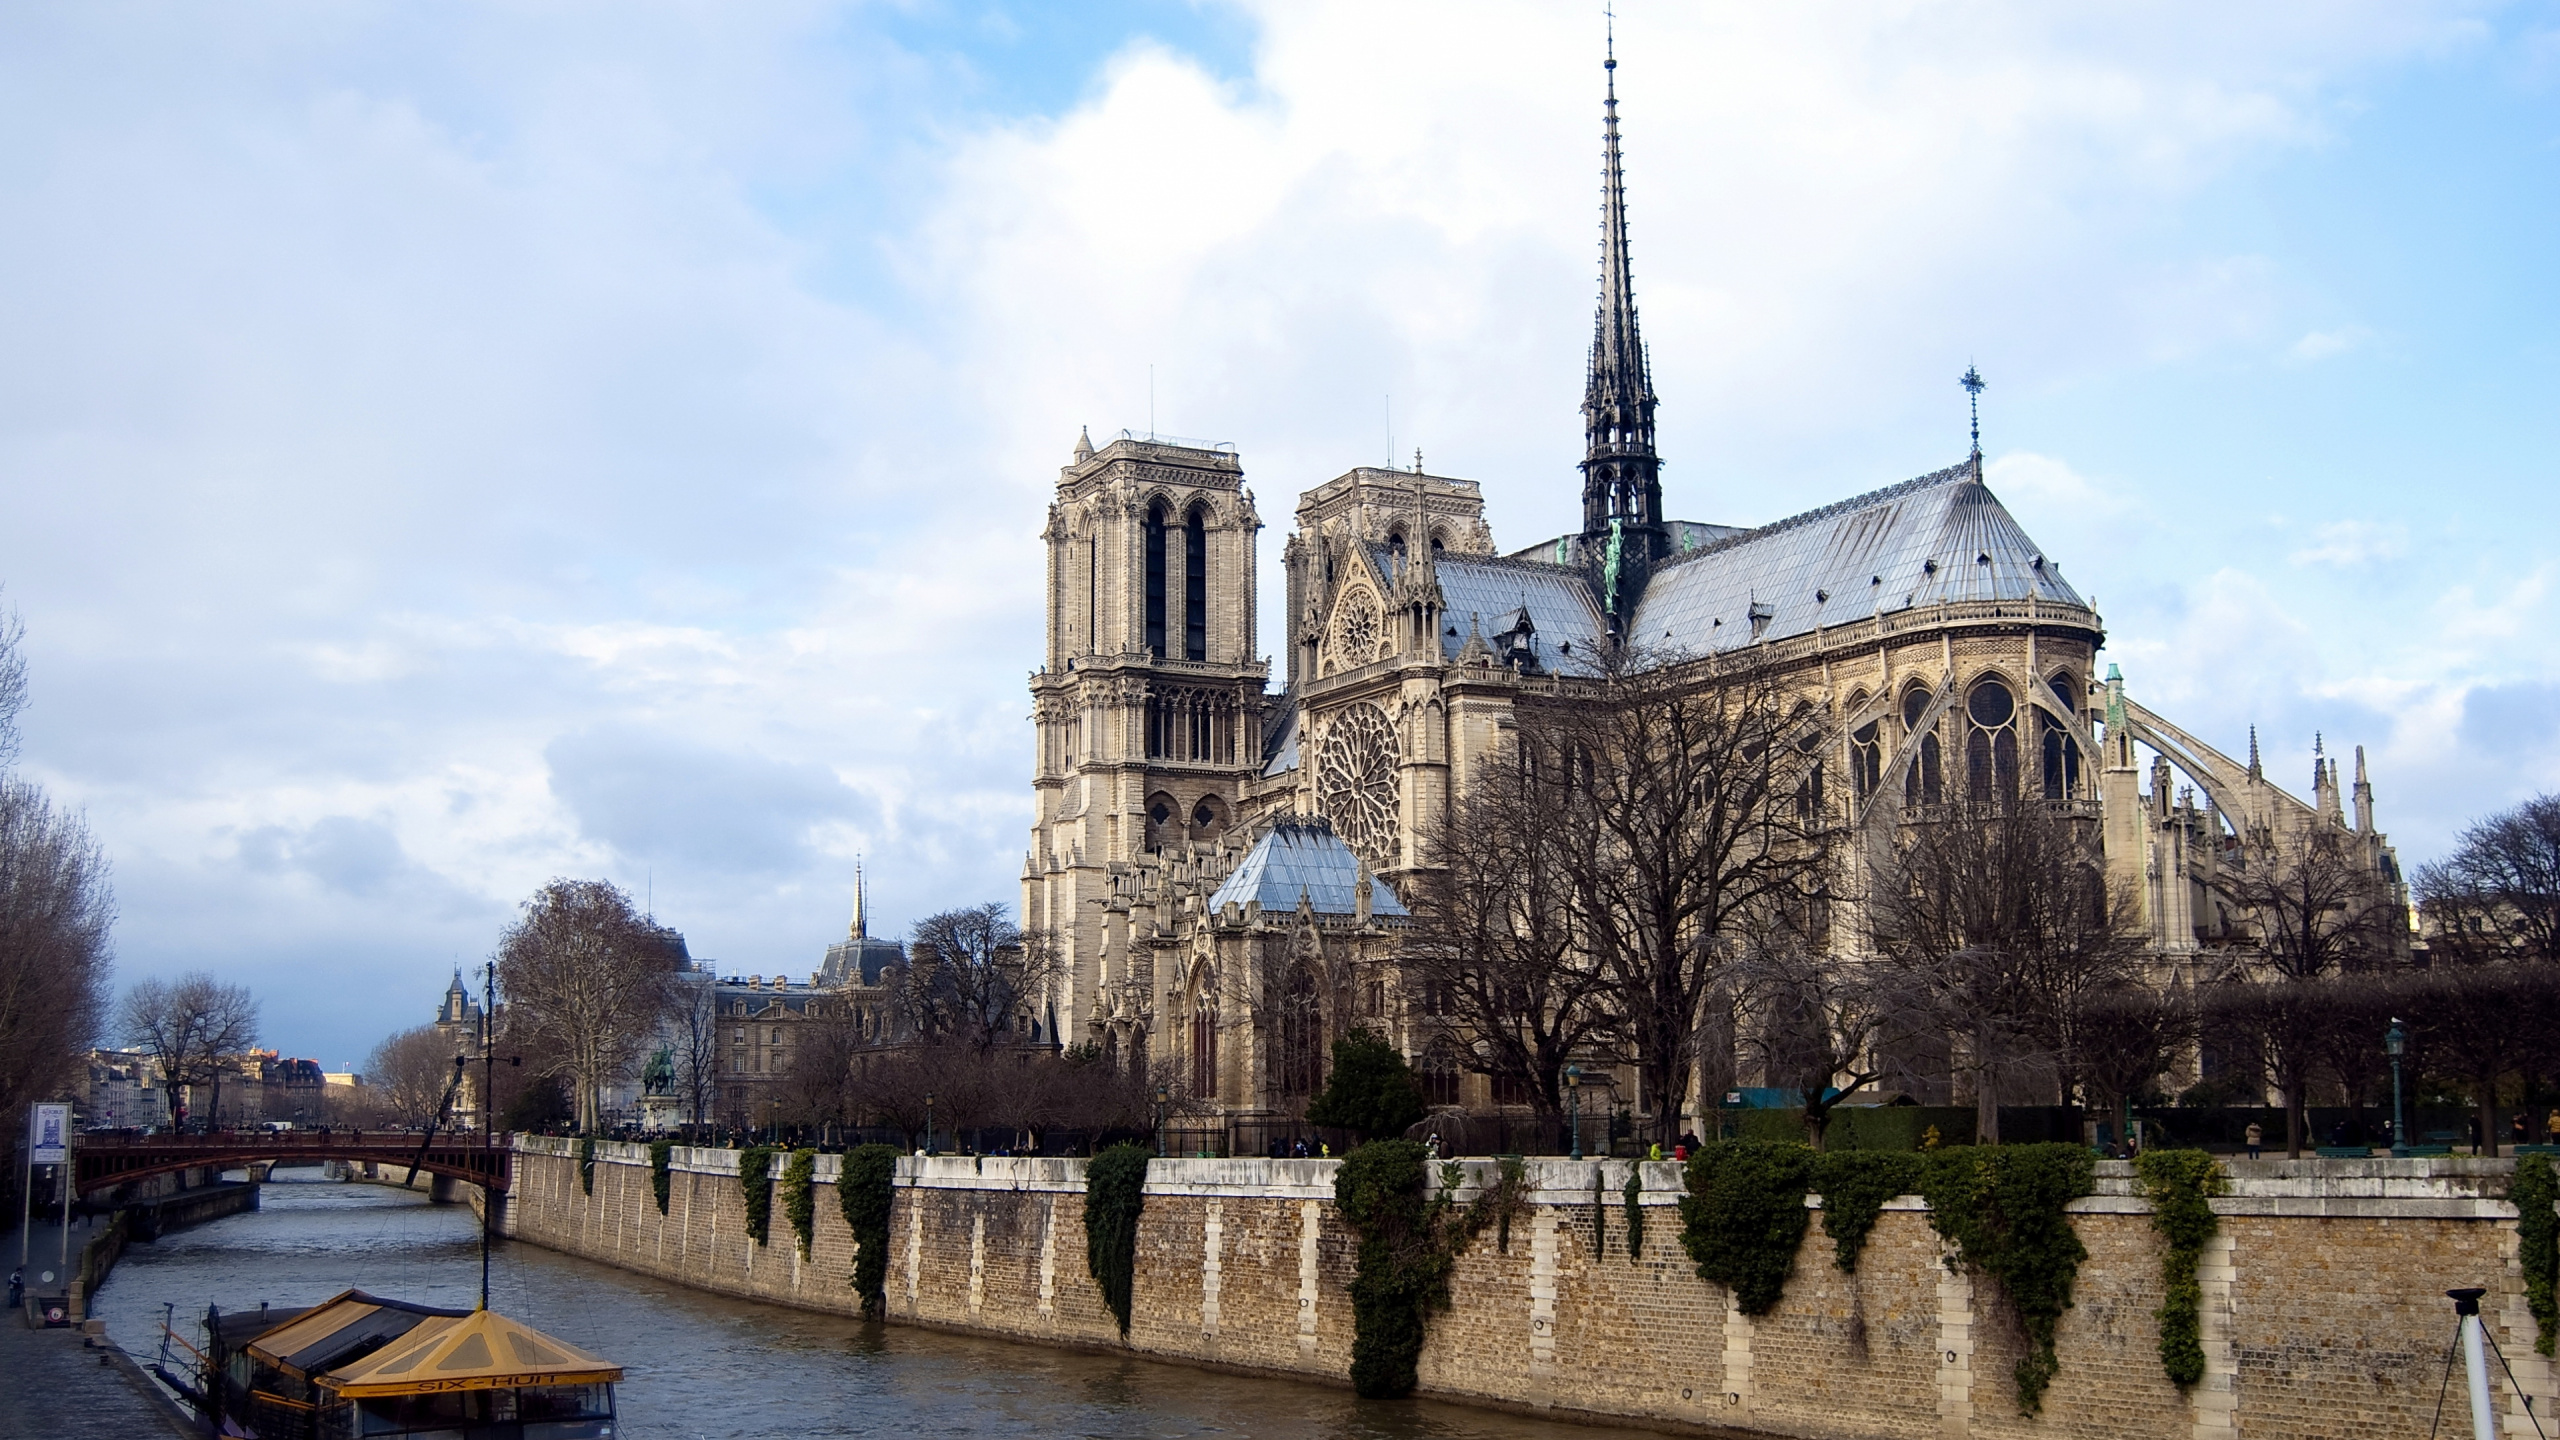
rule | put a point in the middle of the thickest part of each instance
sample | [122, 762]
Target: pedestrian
[1654, 1152]
[17, 1288]
[2517, 1130]
[2551, 1127]
[1689, 1140]
[2255, 1137]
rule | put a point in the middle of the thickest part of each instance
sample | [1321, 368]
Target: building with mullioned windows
[1220, 857]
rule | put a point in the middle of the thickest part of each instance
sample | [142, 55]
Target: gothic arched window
[1301, 1056]
[1991, 742]
[2061, 761]
[1155, 580]
[1440, 1077]
[1195, 586]
[1866, 758]
[1204, 1045]
[1923, 783]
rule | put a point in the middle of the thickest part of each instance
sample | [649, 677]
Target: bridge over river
[101, 1161]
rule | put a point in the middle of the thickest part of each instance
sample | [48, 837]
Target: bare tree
[2128, 1032]
[56, 912]
[974, 977]
[1995, 922]
[2319, 911]
[1492, 966]
[586, 980]
[818, 1086]
[13, 682]
[2500, 889]
[189, 1025]
[1693, 810]
[410, 1074]
[1814, 1021]
[694, 1020]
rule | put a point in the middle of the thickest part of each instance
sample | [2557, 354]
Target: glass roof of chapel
[1303, 857]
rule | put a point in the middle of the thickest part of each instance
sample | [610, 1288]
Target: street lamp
[1573, 1098]
[928, 1124]
[2395, 1042]
[1164, 1095]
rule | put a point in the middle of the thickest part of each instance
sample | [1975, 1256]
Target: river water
[700, 1365]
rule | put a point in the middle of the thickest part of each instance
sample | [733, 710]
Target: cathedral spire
[1621, 474]
[858, 931]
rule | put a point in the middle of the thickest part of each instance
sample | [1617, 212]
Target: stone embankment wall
[2324, 1309]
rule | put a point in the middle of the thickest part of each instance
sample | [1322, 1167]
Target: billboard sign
[49, 1134]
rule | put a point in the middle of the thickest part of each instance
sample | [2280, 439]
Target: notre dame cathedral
[1220, 861]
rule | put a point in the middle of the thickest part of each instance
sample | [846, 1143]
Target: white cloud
[2346, 543]
[2318, 345]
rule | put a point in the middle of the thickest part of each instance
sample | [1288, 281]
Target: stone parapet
[2323, 1315]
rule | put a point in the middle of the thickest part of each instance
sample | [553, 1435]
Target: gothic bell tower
[1148, 711]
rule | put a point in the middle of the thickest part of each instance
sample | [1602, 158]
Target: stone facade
[1937, 649]
[2324, 1309]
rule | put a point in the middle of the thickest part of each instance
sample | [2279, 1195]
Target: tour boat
[357, 1366]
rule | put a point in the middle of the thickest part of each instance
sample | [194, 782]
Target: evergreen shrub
[2179, 1184]
[1854, 1185]
[755, 1183]
[2534, 1189]
[1115, 1189]
[661, 1156]
[1744, 1216]
[800, 1196]
[864, 1189]
[2001, 1207]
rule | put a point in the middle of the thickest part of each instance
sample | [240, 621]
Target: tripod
[2476, 1345]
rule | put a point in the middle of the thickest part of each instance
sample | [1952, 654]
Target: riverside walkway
[61, 1387]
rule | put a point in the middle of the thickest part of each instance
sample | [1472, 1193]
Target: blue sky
[440, 451]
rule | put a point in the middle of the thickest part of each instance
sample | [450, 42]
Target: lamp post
[2395, 1042]
[1573, 1100]
[1163, 1096]
[928, 1124]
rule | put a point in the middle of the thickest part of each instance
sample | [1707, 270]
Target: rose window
[1356, 781]
[1355, 631]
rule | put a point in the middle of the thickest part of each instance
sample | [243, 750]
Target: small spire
[2360, 765]
[1971, 380]
[1417, 459]
[2256, 772]
[1084, 443]
[859, 930]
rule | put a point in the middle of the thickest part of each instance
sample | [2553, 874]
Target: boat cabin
[359, 1366]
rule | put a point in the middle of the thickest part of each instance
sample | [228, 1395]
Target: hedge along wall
[2321, 1290]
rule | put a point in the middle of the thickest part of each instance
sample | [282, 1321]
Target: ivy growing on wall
[1635, 1213]
[1404, 1261]
[661, 1154]
[1115, 1188]
[1498, 1203]
[800, 1196]
[1599, 1213]
[1744, 1216]
[2534, 1189]
[587, 1163]
[2001, 1207]
[863, 1192]
[2179, 1184]
[1854, 1185]
[755, 1182]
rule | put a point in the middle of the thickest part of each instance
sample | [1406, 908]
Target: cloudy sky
[442, 448]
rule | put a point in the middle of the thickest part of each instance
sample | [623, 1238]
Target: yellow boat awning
[480, 1351]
